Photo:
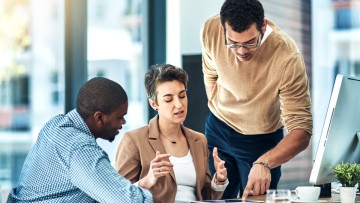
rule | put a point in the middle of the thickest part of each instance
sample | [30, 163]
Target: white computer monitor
[339, 141]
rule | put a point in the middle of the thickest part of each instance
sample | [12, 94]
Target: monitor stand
[325, 190]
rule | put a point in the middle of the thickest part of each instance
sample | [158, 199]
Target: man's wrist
[266, 165]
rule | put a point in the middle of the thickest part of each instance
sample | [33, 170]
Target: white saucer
[303, 201]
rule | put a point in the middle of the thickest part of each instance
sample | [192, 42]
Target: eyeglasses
[236, 46]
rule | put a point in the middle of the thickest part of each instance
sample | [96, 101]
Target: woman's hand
[158, 168]
[221, 173]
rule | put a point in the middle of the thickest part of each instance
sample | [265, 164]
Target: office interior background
[49, 48]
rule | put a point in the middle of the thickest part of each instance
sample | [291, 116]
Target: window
[335, 51]
[115, 51]
[31, 77]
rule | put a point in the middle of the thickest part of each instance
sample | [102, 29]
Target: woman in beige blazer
[165, 157]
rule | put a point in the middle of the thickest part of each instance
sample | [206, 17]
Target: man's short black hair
[100, 94]
[241, 14]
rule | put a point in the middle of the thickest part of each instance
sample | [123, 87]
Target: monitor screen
[339, 141]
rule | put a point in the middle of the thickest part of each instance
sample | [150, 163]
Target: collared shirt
[268, 31]
[67, 165]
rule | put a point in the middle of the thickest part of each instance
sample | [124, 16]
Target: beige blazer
[138, 147]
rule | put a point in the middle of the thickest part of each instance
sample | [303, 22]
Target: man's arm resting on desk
[260, 177]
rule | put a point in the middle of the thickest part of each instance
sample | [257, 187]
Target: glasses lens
[238, 46]
[250, 46]
[245, 46]
[231, 46]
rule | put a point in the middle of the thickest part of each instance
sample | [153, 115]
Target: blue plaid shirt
[67, 165]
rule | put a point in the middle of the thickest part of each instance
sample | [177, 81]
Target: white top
[185, 175]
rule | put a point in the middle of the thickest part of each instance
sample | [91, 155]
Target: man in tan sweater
[256, 84]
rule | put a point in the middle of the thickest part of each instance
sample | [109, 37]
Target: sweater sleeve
[295, 95]
[208, 64]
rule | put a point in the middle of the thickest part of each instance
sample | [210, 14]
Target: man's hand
[221, 172]
[260, 177]
[258, 181]
[158, 168]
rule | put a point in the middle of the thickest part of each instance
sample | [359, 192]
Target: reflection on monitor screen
[339, 141]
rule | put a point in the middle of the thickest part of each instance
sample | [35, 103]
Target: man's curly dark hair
[241, 14]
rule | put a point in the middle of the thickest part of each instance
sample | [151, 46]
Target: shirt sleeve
[295, 95]
[91, 171]
[218, 188]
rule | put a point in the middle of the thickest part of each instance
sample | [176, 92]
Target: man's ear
[153, 104]
[98, 117]
[263, 27]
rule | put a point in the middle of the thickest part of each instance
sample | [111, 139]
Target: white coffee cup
[308, 193]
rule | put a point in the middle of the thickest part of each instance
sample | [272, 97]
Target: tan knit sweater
[261, 95]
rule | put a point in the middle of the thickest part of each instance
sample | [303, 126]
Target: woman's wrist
[146, 183]
[219, 182]
[142, 184]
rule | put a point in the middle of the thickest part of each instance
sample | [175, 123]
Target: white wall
[184, 21]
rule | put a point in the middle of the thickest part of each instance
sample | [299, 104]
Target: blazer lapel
[197, 154]
[154, 140]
